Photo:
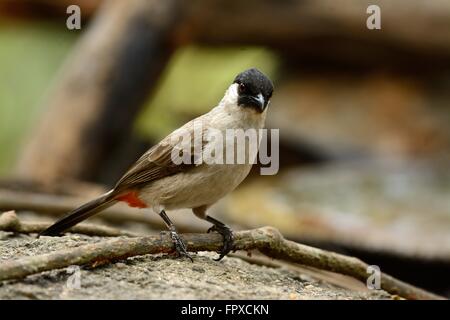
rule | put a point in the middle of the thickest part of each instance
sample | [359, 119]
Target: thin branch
[57, 205]
[10, 222]
[267, 240]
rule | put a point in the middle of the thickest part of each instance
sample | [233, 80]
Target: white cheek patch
[231, 95]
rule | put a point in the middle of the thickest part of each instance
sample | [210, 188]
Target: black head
[254, 89]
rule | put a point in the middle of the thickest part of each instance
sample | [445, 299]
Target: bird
[157, 182]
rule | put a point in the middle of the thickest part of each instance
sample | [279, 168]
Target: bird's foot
[180, 246]
[227, 235]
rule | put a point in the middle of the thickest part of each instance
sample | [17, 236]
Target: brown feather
[155, 164]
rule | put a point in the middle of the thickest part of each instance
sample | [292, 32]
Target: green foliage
[30, 55]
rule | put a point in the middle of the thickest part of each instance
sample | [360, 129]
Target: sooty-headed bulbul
[155, 181]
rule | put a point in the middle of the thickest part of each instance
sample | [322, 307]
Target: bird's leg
[180, 246]
[226, 233]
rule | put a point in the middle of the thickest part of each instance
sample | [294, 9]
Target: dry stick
[57, 205]
[10, 222]
[267, 240]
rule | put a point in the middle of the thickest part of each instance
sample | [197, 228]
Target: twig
[267, 240]
[10, 222]
[57, 205]
[66, 187]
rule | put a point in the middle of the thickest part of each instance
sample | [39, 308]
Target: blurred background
[364, 115]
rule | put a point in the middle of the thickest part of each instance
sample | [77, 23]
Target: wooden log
[325, 34]
[410, 23]
[413, 24]
[100, 90]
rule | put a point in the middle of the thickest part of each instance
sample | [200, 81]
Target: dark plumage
[253, 82]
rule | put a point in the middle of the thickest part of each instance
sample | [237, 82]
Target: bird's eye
[242, 88]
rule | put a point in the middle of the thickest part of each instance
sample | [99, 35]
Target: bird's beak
[260, 101]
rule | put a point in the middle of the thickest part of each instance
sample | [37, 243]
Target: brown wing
[155, 164]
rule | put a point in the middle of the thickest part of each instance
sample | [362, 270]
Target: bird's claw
[227, 235]
[180, 246]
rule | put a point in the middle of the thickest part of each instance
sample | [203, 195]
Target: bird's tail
[80, 214]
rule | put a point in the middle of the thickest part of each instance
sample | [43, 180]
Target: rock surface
[162, 277]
